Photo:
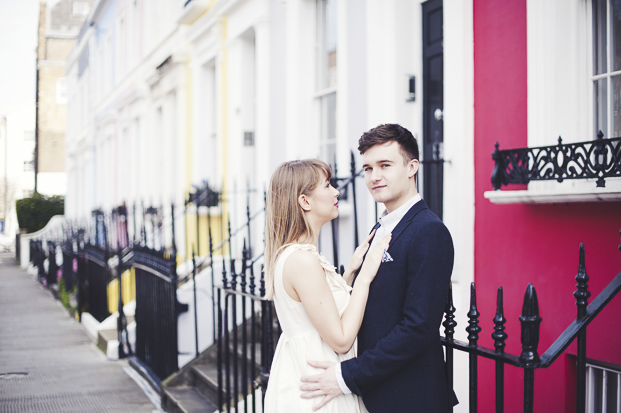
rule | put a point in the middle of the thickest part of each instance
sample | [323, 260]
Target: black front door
[433, 105]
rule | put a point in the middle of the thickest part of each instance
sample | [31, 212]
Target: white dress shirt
[388, 222]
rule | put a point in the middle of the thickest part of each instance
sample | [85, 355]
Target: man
[400, 365]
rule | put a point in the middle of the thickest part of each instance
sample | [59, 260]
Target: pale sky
[18, 41]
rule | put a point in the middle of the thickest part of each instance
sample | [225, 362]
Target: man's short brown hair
[387, 133]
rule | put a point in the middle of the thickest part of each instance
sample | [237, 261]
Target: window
[327, 76]
[607, 67]
[573, 90]
[80, 8]
[61, 91]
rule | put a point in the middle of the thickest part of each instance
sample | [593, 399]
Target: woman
[319, 312]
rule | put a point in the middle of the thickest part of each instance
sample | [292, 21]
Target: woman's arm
[303, 273]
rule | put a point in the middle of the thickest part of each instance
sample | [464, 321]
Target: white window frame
[80, 8]
[61, 91]
[322, 92]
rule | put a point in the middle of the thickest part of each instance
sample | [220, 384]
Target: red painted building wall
[519, 244]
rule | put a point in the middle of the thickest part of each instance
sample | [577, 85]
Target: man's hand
[323, 384]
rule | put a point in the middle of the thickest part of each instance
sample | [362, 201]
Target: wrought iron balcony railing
[600, 159]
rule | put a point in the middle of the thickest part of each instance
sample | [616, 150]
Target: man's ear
[413, 166]
[304, 203]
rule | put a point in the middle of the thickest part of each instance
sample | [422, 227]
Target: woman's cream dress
[300, 342]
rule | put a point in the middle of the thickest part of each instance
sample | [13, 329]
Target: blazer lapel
[405, 221]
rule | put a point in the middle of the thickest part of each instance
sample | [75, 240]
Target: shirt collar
[388, 220]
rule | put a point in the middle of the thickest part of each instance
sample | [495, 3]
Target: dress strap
[328, 268]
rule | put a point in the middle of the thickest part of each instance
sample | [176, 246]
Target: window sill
[561, 195]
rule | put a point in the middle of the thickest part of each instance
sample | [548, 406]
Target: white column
[262, 137]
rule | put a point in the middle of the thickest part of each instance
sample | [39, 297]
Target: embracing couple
[369, 340]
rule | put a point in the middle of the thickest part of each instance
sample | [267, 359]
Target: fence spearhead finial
[473, 328]
[582, 293]
[262, 281]
[449, 321]
[530, 321]
[225, 283]
[499, 334]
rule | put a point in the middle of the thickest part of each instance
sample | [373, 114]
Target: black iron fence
[69, 262]
[238, 309]
[598, 159]
[246, 349]
[529, 360]
[52, 270]
[244, 339]
[97, 278]
[157, 310]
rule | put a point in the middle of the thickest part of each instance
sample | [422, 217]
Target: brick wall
[41, 35]
[52, 120]
[58, 49]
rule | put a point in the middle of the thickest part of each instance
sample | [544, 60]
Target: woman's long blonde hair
[285, 221]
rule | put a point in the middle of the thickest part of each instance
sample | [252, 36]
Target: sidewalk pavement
[47, 361]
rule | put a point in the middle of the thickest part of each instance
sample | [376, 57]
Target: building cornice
[53, 34]
[210, 18]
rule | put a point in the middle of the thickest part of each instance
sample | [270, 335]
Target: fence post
[220, 331]
[195, 309]
[499, 169]
[248, 218]
[499, 337]
[266, 338]
[213, 297]
[121, 321]
[582, 295]
[353, 194]
[334, 223]
[600, 159]
[253, 360]
[226, 337]
[473, 331]
[529, 358]
[198, 242]
[174, 242]
[242, 285]
[235, 332]
[449, 329]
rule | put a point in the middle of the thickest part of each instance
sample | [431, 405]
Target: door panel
[433, 105]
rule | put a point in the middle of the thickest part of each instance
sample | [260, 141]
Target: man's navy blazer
[400, 365]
